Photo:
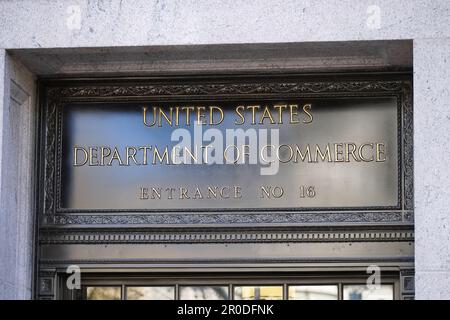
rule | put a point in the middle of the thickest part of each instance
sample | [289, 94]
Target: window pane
[150, 293]
[204, 293]
[258, 293]
[103, 293]
[362, 292]
[313, 292]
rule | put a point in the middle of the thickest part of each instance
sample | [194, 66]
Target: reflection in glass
[258, 292]
[103, 293]
[204, 293]
[318, 292]
[150, 293]
[362, 292]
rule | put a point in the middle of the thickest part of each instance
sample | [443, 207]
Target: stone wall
[18, 114]
[432, 170]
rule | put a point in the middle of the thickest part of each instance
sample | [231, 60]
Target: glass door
[237, 287]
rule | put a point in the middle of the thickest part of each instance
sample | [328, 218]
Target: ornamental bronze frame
[58, 229]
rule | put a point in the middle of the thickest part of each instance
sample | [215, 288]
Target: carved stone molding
[226, 261]
[139, 237]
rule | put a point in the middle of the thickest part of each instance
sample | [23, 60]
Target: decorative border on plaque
[408, 150]
[230, 89]
[52, 105]
[227, 219]
[57, 96]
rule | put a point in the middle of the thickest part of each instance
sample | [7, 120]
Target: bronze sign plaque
[223, 173]
[218, 154]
